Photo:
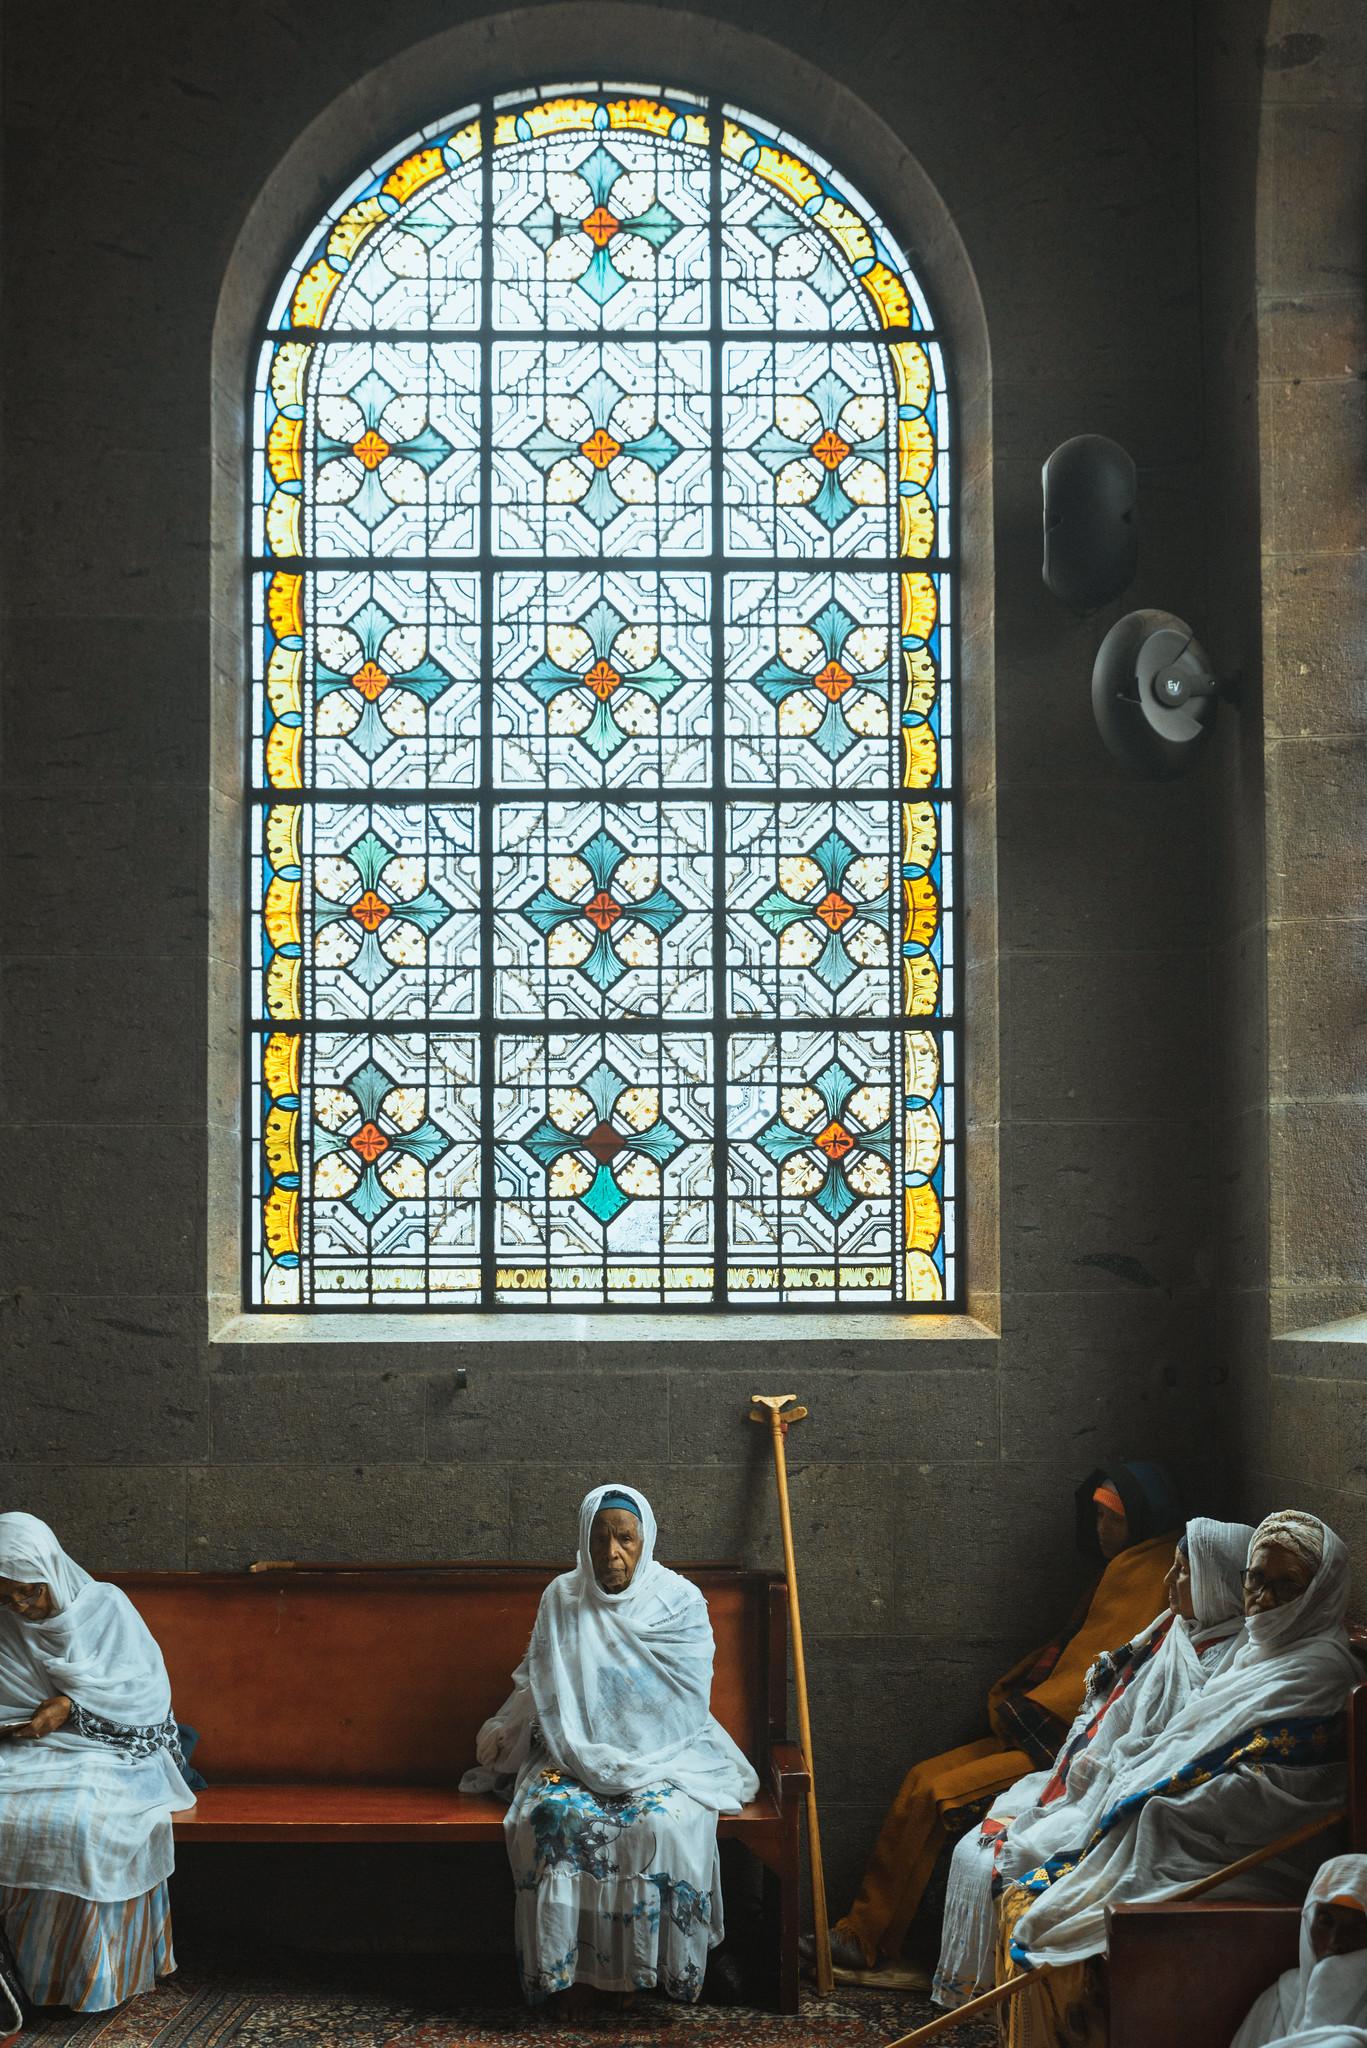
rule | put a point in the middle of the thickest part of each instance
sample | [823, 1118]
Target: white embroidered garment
[1324, 2000]
[621, 1772]
[620, 1684]
[1043, 1810]
[87, 1813]
[1240, 1764]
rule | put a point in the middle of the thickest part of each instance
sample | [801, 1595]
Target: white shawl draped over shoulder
[1322, 2001]
[1253, 1755]
[1109, 1733]
[620, 1684]
[79, 1814]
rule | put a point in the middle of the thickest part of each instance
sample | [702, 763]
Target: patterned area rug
[423, 2007]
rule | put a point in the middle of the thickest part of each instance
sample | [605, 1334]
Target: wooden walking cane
[1000, 1993]
[770, 1408]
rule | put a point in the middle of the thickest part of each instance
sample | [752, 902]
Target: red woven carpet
[407, 2005]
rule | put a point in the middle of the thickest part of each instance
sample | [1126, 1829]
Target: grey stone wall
[930, 1486]
[1285, 121]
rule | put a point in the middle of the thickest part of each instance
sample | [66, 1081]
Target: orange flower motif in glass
[600, 226]
[371, 450]
[371, 680]
[833, 681]
[370, 911]
[831, 449]
[603, 679]
[600, 448]
[835, 1141]
[370, 1141]
[835, 910]
[603, 910]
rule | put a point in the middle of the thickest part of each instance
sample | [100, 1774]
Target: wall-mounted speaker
[1091, 530]
[1154, 694]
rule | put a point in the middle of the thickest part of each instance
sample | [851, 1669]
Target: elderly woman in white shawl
[1323, 2003]
[89, 1779]
[1132, 1693]
[621, 1770]
[1257, 1753]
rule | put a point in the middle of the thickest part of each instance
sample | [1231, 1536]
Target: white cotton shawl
[620, 1684]
[1190, 1655]
[1178, 1815]
[78, 1815]
[1049, 1810]
[1321, 2001]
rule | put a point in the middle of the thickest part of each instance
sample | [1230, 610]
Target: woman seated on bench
[89, 1778]
[621, 1770]
[1258, 1753]
[1324, 2001]
[1132, 1694]
[1128, 1517]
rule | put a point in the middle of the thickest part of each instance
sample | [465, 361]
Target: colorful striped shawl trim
[1126, 1666]
[1303, 1741]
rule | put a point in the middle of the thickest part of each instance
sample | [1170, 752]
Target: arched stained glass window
[601, 796]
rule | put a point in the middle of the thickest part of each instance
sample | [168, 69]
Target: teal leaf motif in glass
[834, 1144]
[835, 908]
[607, 676]
[370, 1132]
[605, 907]
[603, 1134]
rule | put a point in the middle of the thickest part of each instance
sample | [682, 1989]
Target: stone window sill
[1322, 1351]
[1346, 1330]
[810, 1327]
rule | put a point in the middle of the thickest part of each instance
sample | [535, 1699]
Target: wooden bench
[1189, 1973]
[318, 1724]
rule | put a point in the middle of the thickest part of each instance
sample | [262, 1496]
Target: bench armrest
[787, 1773]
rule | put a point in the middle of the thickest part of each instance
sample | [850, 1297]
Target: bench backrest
[383, 1675]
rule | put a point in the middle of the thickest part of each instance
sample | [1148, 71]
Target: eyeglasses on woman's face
[31, 1600]
[1273, 1589]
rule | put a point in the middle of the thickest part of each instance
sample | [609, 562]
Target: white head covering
[1319, 2000]
[79, 1813]
[1217, 1552]
[1323, 1604]
[96, 1648]
[622, 1682]
[1237, 1767]
[1294, 1530]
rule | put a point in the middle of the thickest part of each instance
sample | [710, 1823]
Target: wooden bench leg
[782, 1910]
[781, 1930]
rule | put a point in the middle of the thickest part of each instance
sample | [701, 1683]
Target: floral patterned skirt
[622, 1893]
[80, 1953]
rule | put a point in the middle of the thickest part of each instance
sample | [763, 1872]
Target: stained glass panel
[600, 448]
[603, 1167]
[366, 679]
[837, 1182]
[602, 680]
[821, 669]
[600, 946]
[602, 230]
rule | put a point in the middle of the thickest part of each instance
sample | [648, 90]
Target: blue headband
[619, 1500]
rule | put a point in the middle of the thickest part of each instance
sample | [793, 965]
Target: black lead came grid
[490, 1021]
